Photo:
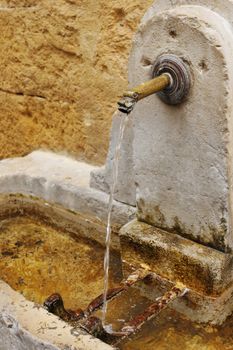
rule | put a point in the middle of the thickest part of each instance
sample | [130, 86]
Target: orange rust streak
[153, 310]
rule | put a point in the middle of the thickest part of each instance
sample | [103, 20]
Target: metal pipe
[171, 80]
[131, 97]
[54, 303]
[132, 279]
[93, 325]
[133, 326]
[149, 87]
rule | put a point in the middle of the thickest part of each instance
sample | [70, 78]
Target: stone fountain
[173, 202]
[176, 163]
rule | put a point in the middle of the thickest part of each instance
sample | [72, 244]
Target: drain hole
[145, 61]
[203, 65]
[173, 34]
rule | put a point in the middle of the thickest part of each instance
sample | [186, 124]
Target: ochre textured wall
[63, 64]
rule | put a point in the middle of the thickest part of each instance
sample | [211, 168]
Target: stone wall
[63, 65]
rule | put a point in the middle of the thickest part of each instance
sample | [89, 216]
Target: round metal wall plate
[178, 90]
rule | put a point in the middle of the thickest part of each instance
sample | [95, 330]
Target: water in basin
[38, 260]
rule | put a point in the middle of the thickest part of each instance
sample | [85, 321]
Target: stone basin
[33, 243]
[43, 195]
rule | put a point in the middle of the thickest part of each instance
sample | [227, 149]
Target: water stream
[115, 166]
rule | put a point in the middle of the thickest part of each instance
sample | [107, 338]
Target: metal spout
[171, 81]
[130, 98]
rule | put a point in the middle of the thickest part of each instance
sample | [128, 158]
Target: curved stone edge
[61, 180]
[79, 225]
[26, 325]
[223, 8]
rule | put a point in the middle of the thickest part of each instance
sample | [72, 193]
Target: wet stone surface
[172, 331]
[37, 261]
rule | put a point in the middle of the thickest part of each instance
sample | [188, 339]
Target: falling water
[115, 166]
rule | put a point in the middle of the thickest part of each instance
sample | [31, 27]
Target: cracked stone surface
[63, 65]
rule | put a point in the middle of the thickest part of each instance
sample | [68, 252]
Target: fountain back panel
[180, 157]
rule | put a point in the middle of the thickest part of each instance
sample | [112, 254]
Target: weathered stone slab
[206, 272]
[61, 180]
[182, 155]
[201, 268]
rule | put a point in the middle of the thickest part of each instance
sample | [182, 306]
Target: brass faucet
[131, 97]
[171, 81]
